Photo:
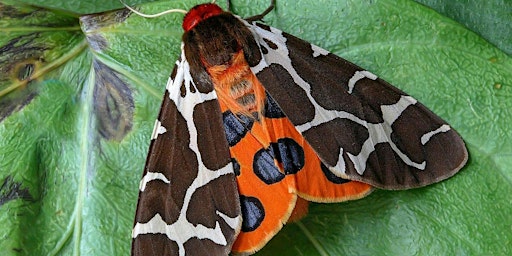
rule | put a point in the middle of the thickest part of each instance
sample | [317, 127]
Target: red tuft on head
[199, 13]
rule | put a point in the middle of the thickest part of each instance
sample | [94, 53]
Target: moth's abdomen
[237, 87]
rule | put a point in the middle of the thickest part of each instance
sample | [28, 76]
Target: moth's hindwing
[276, 171]
[188, 200]
[361, 127]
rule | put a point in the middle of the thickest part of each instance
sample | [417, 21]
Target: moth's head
[199, 13]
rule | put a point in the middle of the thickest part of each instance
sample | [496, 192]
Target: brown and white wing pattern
[361, 127]
[188, 199]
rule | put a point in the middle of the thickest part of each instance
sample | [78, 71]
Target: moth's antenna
[152, 15]
[260, 16]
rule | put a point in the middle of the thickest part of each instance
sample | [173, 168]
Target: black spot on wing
[236, 166]
[253, 213]
[272, 110]
[264, 49]
[331, 177]
[270, 44]
[263, 26]
[183, 90]
[265, 168]
[236, 126]
[288, 153]
[192, 88]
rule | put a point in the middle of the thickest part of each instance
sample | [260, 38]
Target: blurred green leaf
[490, 19]
[79, 95]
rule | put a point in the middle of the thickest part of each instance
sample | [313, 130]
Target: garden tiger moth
[255, 120]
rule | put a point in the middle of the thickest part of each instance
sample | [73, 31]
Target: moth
[255, 122]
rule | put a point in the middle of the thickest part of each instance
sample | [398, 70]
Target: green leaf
[79, 95]
[490, 19]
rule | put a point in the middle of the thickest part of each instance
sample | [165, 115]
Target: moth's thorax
[199, 13]
[237, 87]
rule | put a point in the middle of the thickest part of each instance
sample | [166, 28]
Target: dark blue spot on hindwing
[272, 110]
[331, 177]
[265, 168]
[286, 152]
[236, 126]
[290, 154]
[236, 166]
[253, 213]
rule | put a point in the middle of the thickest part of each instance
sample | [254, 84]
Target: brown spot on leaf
[24, 54]
[12, 190]
[96, 21]
[25, 71]
[113, 103]
[19, 53]
[93, 23]
[16, 12]
[20, 58]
